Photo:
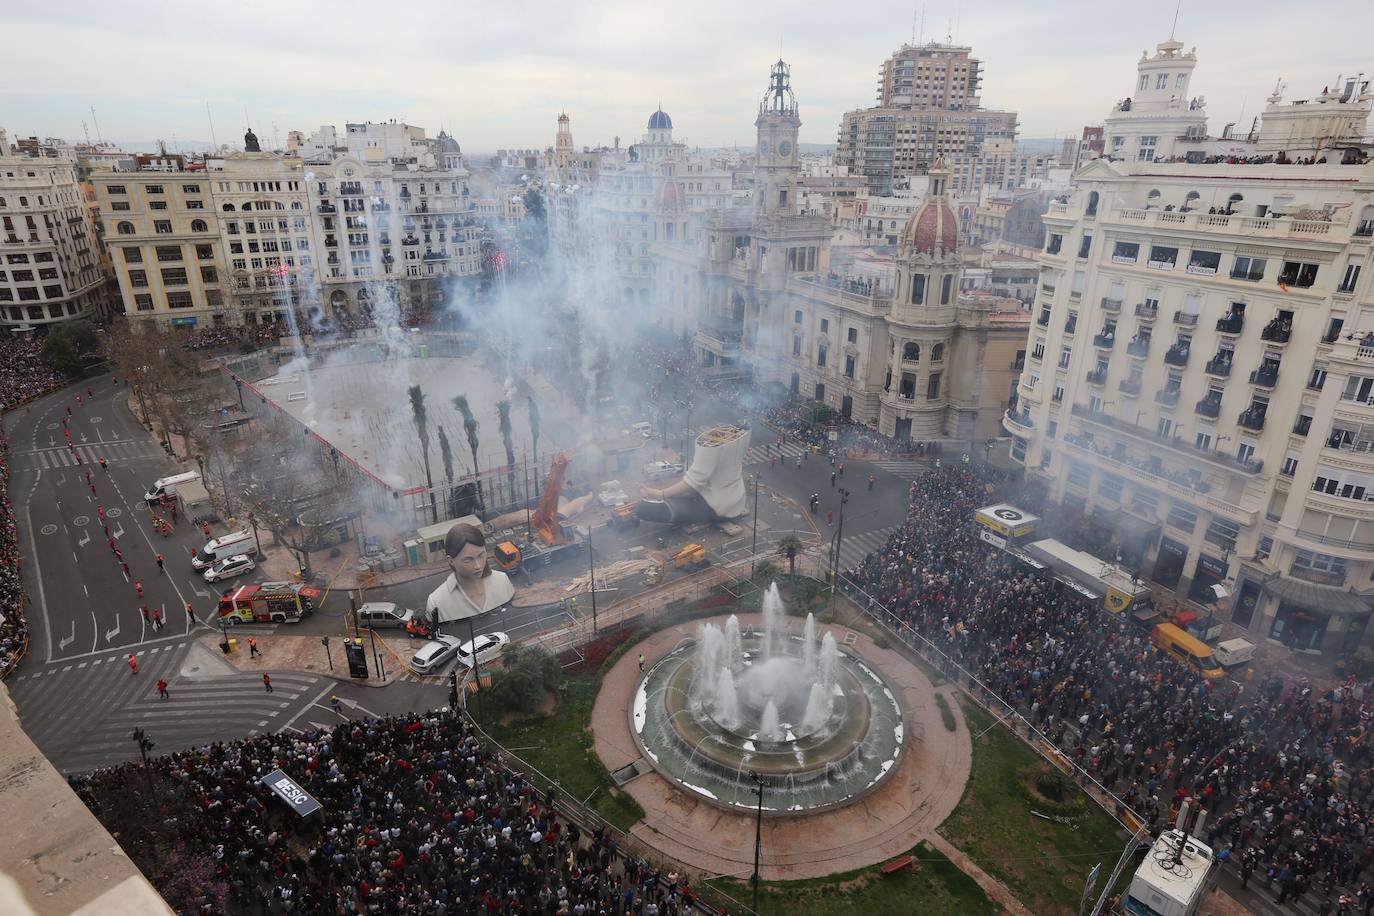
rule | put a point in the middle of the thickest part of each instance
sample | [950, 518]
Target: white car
[434, 654]
[488, 648]
[228, 568]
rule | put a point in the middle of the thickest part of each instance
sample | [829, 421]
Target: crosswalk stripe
[856, 547]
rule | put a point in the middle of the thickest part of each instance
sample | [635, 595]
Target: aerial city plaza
[472, 521]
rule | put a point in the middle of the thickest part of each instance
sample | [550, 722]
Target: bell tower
[775, 171]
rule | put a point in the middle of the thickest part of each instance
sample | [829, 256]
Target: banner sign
[301, 801]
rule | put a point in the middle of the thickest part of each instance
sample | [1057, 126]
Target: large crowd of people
[24, 373]
[416, 818]
[14, 628]
[1284, 769]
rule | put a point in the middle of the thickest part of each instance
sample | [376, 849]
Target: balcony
[1277, 331]
[1139, 348]
[1097, 377]
[1167, 396]
[1105, 340]
[410, 240]
[1365, 229]
[1187, 319]
[1043, 320]
[1303, 426]
[1070, 326]
[1147, 311]
[435, 255]
[1129, 387]
[1265, 376]
[1177, 356]
[1208, 407]
[1111, 305]
[380, 206]
[1197, 221]
[1020, 419]
[1231, 324]
[1251, 418]
[327, 208]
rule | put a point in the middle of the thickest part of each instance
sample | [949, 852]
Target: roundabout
[841, 733]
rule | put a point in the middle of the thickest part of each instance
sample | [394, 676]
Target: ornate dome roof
[670, 197]
[933, 229]
[659, 120]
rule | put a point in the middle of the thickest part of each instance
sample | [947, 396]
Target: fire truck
[274, 602]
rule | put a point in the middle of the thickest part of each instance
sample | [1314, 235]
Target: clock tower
[775, 175]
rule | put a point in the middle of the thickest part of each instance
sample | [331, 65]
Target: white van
[221, 548]
[167, 484]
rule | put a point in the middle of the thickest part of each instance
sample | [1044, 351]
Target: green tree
[60, 353]
[526, 676]
[503, 424]
[446, 455]
[470, 428]
[421, 417]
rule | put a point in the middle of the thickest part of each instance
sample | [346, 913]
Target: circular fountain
[819, 727]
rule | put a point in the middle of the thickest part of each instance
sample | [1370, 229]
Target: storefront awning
[1317, 597]
[1128, 525]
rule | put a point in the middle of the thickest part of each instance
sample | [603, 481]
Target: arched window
[937, 352]
[1153, 195]
[125, 228]
[1093, 198]
[338, 300]
[228, 208]
[918, 289]
[296, 205]
[198, 225]
[1192, 196]
[911, 351]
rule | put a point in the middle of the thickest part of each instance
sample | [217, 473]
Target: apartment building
[50, 261]
[1199, 382]
[928, 108]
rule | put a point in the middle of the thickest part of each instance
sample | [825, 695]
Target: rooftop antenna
[922, 37]
[1174, 28]
[96, 121]
[209, 117]
[85, 130]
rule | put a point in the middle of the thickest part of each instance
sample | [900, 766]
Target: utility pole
[835, 557]
[591, 565]
[754, 547]
[758, 837]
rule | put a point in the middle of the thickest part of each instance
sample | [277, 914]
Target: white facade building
[1159, 119]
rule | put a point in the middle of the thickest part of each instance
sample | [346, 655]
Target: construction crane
[544, 523]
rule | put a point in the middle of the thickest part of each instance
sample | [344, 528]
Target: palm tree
[446, 453]
[534, 437]
[417, 410]
[789, 546]
[503, 424]
[470, 427]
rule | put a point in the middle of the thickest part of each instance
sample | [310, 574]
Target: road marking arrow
[85, 539]
[111, 634]
[83, 438]
[359, 707]
[66, 641]
[118, 532]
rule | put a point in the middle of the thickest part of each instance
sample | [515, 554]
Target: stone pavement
[305, 653]
[905, 809]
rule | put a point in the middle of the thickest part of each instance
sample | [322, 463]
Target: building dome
[670, 198]
[933, 229]
[659, 120]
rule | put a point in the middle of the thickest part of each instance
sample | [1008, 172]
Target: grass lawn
[560, 746]
[1043, 862]
[931, 885]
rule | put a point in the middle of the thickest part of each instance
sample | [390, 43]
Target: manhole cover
[95, 419]
[113, 513]
[82, 520]
[49, 529]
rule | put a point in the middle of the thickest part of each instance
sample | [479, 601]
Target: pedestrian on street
[830, 516]
[119, 554]
[107, 530]
[133, 664]
[88, 477]
[103, 465]
[125, 567]
[641, 661]
[870, 481]
[190, 615]
[205, 529]
[253, 648]
[138, 586]
[832, 480]
[93, 493]
[100, 510]
[334, 704]
[144, 608]
[159, 564]
[157, 619]
[162, 688]
[266, 682]
[110, 539]
[799, 460]
[841, 468]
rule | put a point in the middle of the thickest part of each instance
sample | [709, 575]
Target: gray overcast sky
[496, 75]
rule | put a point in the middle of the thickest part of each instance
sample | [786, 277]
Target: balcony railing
[1277, 332]
[1218, 366]
[1105, 341]
[1129, 387]
[1111, 305]
[1196, 220]
[327, 208]
[1177, 356]
[1231, 325]
[1365, 229]
[1187, 319]
[1145, 310]
[1020, 418]
[1167, 396]
[1208, 407]
[1251, 419]
[1153, 466]
[1140, 348]
[1097, 377]
[1265, 377]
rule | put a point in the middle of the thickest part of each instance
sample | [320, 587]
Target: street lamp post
[476, 671]
[591, 565]
[253, 520]
[835, 556]
[238, 382]
[758, 837]
[754, 547]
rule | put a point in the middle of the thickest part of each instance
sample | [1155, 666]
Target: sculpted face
[470, 563]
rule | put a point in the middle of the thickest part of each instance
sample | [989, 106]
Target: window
[1163, 257]
[208, 275]
[1126, 252]
[1317, 380]
[119, 205]
[138, 278]
[797, 317]
[1162, 81]
[190, 189]
[933, 387]
[1181, 81]
[1058, 395]
[849, 363]
[1182, 517]
[1203, 441]
[143, 302]
[1054, 243]
[918, 289]
[1251, 269]
[1319, 567]
[195, 205]
[174, 276]
[116, 189]
[154, 189]
[1145, 502]
[852, 335]
[1109, 487]
[162, 226]
[179, 300]
[198, 225]
[1165, 427]
[1265, 547]
[125, 228]
[1223, 533]
[1298, 273]
[204, 253]
[1065, 355]
[946, 288]
[169, 252]
[1204, 262]
[1085, 245]
[1290, 465]
[937, 352]
[820, 355]
[825, 325]
[157, 205]
[1080, 475]
[133, 256]
[1352, 276]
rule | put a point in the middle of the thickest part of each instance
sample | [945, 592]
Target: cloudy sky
[497, 75]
